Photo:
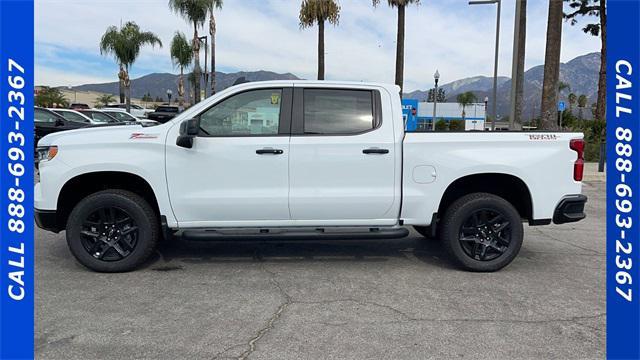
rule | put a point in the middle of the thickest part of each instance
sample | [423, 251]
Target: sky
[448, 35]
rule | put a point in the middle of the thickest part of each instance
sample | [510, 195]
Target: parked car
[318, 159]
[73, 115]
[47, 122]
[135, 110]
[164, 113]
[123, 115]
[100, 117]
[78, 106]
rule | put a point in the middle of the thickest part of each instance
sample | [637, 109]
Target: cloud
[448, 35]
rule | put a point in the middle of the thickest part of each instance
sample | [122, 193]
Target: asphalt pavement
[392, 299]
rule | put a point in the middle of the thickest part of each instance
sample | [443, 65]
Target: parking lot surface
[393, 299]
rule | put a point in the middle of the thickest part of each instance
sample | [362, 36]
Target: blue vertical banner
[623, 180]
[16, 179]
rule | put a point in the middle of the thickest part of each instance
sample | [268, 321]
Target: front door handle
[269, 151]
[375, 151]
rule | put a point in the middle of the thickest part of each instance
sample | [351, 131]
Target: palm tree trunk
[321, 50]
[601, 104]
[181, 87]
[400, 48]
[552, 66]
[212, 32]
[519, 93]
[121, 80]
[196, 64]
[127, 86]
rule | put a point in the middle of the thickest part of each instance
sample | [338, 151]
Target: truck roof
[324, 83]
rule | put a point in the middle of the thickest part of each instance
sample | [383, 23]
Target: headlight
[47, 152]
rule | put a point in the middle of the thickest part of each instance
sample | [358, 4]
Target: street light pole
[486, 102]
[494, 106]
[169, 93]
[206, 52]
[436, 77]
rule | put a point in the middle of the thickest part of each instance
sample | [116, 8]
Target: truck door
[237, 172]
[342, 158]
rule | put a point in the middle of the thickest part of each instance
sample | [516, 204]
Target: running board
[280, 235]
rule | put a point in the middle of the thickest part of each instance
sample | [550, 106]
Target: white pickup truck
[303, 159]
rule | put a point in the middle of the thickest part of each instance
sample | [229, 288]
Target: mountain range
[580, 73]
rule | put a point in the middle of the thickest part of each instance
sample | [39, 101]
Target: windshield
[100, 117]
[121, 115]
[71, 116]
[170, 109]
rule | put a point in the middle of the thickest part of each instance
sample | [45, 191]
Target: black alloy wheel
[112, 231]
[485, 235]
[481, 232]
[109, 234]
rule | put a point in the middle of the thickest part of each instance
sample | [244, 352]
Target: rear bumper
[47, 220]
[570, 209]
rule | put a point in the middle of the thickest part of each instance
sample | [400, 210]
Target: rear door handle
[269, 151]
[375, 151]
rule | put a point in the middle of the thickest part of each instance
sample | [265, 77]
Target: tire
[115, 243]
[471, 224]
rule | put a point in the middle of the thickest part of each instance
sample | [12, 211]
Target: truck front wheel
[482, 232]
[112, 231]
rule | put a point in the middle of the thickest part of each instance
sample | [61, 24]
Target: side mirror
[188, 131]
[59, 122]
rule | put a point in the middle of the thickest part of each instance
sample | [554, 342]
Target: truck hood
[101, 134]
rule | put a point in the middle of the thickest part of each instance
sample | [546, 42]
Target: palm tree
[104, 100]
[195, 12]
[319, 11]
[215, 4]
[552, 66]
[124, 45]
[181, 55]
[582, 103]
[573, 98]
[465, 99]
[401, 5]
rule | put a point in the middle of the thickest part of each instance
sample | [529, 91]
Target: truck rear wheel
[112, 231]
[482, 232]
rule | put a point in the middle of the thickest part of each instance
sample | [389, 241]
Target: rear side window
[338, 112]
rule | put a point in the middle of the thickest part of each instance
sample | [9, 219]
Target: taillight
[577, 145]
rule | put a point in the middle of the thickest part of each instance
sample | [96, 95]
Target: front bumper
[47, 220]
[570, 209]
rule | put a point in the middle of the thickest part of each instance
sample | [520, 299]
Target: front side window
[42, 116]
[338, 112]
[255, 112]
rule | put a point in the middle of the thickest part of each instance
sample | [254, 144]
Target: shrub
[441, 125]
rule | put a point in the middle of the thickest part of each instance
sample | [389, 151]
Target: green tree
[181, 55]
[465, 99]
[582, 103]
[104, 100]
[215, 4]
[400, 5]
[124, 45]
[319, 11]
[552, 66]
[49, 97]
[194, 12]
[573, 99]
